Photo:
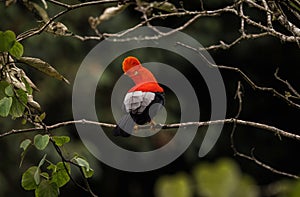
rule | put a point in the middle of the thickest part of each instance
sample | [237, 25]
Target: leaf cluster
[47, 178]
[16, 100]
[16, 88]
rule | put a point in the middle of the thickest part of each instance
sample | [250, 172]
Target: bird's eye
[136, 72]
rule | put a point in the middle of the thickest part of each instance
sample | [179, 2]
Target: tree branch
[233, 121]
[257, 125]
[235, 8]
[68, 8]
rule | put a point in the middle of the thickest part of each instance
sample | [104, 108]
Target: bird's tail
[126, 123]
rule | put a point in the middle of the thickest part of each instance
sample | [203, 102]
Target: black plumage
[127, 122]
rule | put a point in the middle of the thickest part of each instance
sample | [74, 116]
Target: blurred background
[219, 173]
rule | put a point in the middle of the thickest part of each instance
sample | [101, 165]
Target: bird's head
[131, 65]
[141, 76]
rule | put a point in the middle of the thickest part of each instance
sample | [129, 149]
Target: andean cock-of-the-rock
[142, 101]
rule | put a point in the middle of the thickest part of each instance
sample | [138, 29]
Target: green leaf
[59, 174]
[47, 189]
[27, 85]
[87, 173]
[42, 161]
[9, 90]
[7, 40]
[45, 175]
[5, 106]
[28, 182]
[85, 166]
[51, 167]
[82, 162]
[43, 67]
[25, 144]
[37, 173]
[36, 176]
[60, 140]
[22, 96]
[3, 85]
[42, 116]
[18, 104]
[24, 121]
[17, 50]
[41, 141]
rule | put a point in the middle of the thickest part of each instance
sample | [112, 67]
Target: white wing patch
[136, 102]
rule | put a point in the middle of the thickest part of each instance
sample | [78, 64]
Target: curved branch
[233, 121]
[253, 158]
[68, 8]
[289, 86]
[262, 126]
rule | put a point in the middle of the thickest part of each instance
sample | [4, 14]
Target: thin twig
[245, 77]
[269, 15]
[252, 158]
[58, 150]
[241, 12]
[238, 95]
[240, 105]
[236, 8]
[289, 86]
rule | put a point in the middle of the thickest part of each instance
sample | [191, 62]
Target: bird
[143, 101]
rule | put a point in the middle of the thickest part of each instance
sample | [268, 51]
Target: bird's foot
[135, 129]
[152, 125]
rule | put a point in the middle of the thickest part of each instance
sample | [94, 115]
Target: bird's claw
[152, 125]
[135, 129]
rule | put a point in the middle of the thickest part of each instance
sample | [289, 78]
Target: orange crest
[130, 62]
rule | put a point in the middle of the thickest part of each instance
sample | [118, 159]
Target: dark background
[258, 58]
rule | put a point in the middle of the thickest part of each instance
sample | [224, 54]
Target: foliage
[43, 183]
[223, 179]
[16, 99]
[8, 43]
[47, 183]
[220, 179]
[16, 88]
[178, 185]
